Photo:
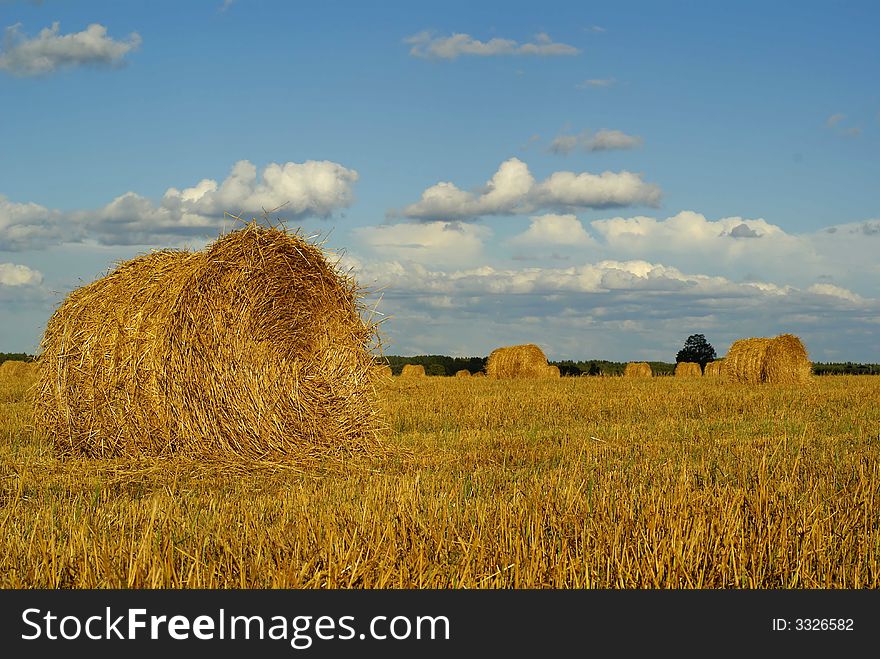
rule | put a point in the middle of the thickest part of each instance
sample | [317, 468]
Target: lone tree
[696, 349]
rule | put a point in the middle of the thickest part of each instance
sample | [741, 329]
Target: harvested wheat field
[688, 370]
[253, 348]
[637, 370]
[520, 361]
[781, 360]
[567, 483]
[413, 371]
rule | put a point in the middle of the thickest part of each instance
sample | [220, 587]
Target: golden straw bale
[384, 371]
[13, 368]
[553, 371]
[463, 373]
[638, 370]
[413, 371]
[687, 370]
[254, 347]
[781, 360]
[713, 369]
[520, 361]
[479, 374]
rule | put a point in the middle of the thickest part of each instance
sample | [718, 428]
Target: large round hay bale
[688, 370]
[713, 369]
[463, 373]
[254, 347]
[520, 361]
[553, 371]
[781, 360]
[638, 370]
[384, 371]
[413, 371]
[15, 369]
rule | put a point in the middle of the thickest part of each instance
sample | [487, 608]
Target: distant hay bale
[713, 369]
[479, 374]
[553, 371]
[463, 373]
[688, 370]
[384, 371]
[252, 348]
[413, 371]
[781, 360]
[638, 370]
[520, 361]
[15, 369]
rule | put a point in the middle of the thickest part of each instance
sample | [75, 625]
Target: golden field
[564, 483]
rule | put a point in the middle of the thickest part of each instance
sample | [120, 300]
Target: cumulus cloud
[552, 229]
[290, 191]
[50, 50]
[601, 140]
[513, 189]
[12, 274]
[437, 243]
[426, 45]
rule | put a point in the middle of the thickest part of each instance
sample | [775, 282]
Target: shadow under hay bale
[688, 370]
[713, 369]
[252, 348]
[463, 373]
[781, 360]
[638, 370]
[413, 371]
[520, 361]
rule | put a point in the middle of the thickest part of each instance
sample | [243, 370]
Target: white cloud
[601, 140]
[289, 191]
[12, 274]
[834, 119]
[512, 190]
[552, 229]
[835, 291]
[437, 243]
[593, 83]
[50, 50]
[426, 45]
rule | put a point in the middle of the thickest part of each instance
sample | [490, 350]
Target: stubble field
[566, 483]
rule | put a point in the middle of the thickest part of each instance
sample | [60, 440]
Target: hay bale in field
[520, 361]
[14, 368]
[553, 371]
[479, 374]
[413, 371]
[251, 348]
[638, 370]
[463, 373]
[780, 360]
[688, 370]
[713, 369]
[384, 371]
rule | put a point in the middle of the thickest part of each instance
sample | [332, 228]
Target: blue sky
[601, 180]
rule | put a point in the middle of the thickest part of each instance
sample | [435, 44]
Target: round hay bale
[14, 368]
[520, 361]
[638, 370]
[713, 369]
[688, 370]
[781, 360]
[384, 371]
[479, 374]
[553, 371]
[745, 361]
[254, 347]
[463, 373]
[413, 371]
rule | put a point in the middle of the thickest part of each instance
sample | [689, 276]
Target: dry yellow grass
[637, 370]
[413, 371]
[520, 361]
[687, 370]
[253, 347]
[569, 483]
